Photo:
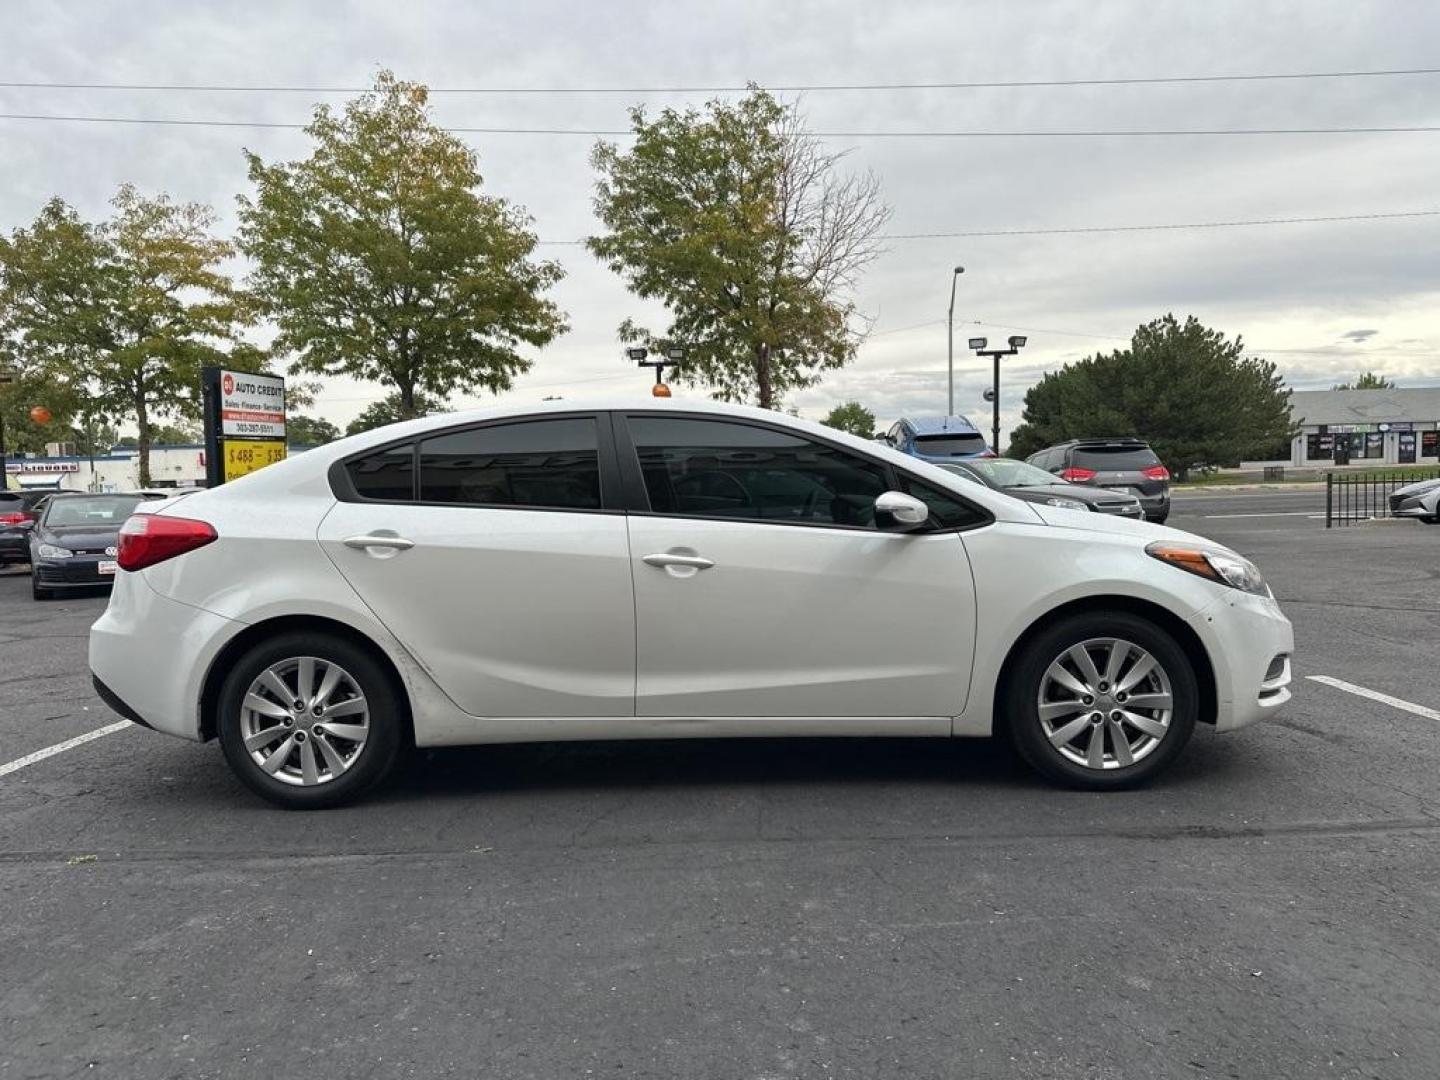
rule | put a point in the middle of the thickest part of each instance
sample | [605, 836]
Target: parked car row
[1121, 476]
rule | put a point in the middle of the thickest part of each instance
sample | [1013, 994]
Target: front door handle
[378, 540]
[665, 558]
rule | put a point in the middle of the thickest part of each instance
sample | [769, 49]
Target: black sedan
[1032, 484]
[19, 510]
[73, 545]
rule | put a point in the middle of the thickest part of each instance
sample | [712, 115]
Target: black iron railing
[1363, 496]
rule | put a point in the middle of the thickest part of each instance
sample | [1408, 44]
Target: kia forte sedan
[664, 570]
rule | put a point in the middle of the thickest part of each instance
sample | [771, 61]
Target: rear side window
[550, 464]
[387, 476]
[715, 469]
[1114, 458]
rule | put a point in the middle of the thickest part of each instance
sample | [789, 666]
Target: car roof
[940, 425]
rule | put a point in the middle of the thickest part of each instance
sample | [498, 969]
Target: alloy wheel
[304, 721]
[1105, 703]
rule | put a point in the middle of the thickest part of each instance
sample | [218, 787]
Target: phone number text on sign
[243, 457]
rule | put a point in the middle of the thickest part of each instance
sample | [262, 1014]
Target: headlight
[1221, 567]
[50, 551]
[1067, 504]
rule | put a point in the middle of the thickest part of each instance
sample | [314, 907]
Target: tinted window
[949, 511]
[388, 474]
[544, 463]
[707, 468]
[1114, 458]
[949, 444]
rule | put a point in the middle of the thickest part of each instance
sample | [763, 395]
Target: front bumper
[1250, 642]
[77, 572]
[1415, 505]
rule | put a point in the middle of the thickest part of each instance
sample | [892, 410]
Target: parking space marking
[60, 748]
[1270, 513]
[1376, 695]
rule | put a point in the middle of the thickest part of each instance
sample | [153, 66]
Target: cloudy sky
[1322, 300]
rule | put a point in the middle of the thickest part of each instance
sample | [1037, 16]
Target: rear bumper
[14, 549]
[140, 626]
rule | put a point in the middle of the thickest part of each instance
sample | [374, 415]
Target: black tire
[40, 594]
[383, 748]
[1020, 701]
[1160, 520]
[1431, 520]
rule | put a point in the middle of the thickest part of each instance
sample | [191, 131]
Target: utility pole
[6, 378]
[950, 343]
[978, 344]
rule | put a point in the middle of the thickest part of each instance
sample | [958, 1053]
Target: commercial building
[1367, 427]
[171, 466]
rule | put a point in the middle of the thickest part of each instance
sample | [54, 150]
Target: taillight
[147, 539]
[1156, 472]
[13, 518]
[1077, 475]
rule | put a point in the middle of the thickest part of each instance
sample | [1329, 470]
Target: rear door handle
[664, 558]
[378, 540]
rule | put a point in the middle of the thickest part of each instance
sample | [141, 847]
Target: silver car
[1419, 500]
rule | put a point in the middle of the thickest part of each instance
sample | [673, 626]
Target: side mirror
[896, 510]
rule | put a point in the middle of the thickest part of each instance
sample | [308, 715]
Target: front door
[764, 589]
[489, 554]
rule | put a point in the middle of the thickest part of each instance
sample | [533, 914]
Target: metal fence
[1351, 498]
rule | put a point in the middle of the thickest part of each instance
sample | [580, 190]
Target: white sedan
[664, 570]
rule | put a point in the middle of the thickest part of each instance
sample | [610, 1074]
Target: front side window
[946, 510]
[717, 469]
[548, 464]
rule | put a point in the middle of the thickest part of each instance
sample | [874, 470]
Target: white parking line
[1376, 695]
[60, 748]
[1273, 513]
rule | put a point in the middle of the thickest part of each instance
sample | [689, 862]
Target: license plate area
[107, 568]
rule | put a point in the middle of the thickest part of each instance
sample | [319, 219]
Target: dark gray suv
[1127, 465]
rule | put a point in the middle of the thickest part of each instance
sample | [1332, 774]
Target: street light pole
[950, 343]
[6, 378]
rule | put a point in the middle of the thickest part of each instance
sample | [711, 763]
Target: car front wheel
[310, 721]
[1101, 701]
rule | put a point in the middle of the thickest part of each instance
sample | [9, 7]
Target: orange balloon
[40, 414]
[660, 390]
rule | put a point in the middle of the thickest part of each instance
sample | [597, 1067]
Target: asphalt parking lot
[754, 909]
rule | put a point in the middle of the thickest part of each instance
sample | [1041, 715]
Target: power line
[723, 89]
[931, 134]
[1155, 227]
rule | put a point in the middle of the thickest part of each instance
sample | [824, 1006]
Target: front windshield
[102, 511]
[1008, 473]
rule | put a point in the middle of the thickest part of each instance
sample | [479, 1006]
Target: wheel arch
[1163, 617]
[255, 633]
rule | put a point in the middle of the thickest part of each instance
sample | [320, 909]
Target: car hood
[1110, 523]
[1419, 487]
[1041, 492]
[84, 537]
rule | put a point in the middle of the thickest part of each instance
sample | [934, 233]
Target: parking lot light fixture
[1016, 342]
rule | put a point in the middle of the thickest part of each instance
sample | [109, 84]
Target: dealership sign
[252, 406]
[244, 422]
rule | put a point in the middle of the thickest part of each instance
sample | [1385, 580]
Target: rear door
[491, 553]
[764, 589]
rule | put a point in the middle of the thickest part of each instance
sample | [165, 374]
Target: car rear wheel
[1101, 701]
[310, 721]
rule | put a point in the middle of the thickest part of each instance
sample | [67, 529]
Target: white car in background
[1420, 500]
[664, 570]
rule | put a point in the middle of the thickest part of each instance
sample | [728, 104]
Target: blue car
[939, 439]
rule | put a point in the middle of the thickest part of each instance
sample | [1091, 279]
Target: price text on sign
[243, 457]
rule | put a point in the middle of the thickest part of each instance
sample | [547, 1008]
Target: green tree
[121, 314]
[740, 223]
[177, 434]
[852, 417]
[378, 258]
[35, 387]
[1186, 389]
[391, 410]
[1368, 380]
[309, 431]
